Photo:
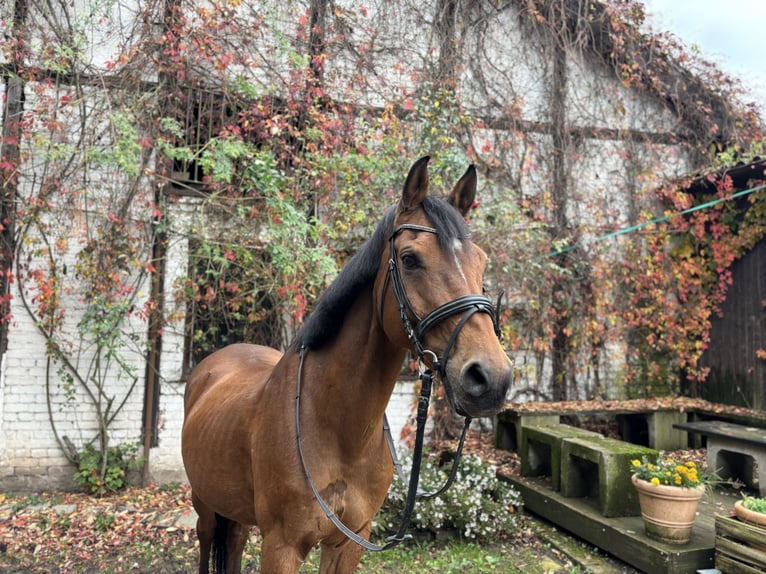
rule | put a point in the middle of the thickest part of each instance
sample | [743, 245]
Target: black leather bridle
[468, 305]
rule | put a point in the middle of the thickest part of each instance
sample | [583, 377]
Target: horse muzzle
[476, 390]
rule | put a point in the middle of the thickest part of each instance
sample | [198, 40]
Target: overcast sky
[731, 33]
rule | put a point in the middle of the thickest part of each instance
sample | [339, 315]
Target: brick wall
[30, 456]
[34, 399]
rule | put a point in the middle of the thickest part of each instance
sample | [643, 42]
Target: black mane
[325, 321]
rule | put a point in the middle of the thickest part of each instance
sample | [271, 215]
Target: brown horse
[239, 434]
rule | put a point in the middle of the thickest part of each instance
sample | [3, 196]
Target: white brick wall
[400, 407]
[34, 399]
[165, 459]
[30, 457]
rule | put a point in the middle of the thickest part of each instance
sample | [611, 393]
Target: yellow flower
[668, 472]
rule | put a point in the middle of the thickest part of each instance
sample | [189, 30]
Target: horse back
[241, 365]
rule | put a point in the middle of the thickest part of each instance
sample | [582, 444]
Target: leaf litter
[135, 530]
[151, 529]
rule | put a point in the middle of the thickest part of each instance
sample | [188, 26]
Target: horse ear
[464, 193]
[415, 186]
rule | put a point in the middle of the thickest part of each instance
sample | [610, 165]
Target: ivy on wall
[322, 107]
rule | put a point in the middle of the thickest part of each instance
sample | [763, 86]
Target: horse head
[430, 287]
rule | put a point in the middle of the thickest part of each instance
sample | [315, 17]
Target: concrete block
[508, 425]
[733, 450]
[662, 435]
[600, 469]
[540, 449]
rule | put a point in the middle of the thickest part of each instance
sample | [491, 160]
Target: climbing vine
[596, 313]
[676, 274]
[287, 127]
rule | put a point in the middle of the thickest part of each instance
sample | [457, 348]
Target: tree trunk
[561, 345]
[10, 160]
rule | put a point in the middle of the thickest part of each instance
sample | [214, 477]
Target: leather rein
[467, 306]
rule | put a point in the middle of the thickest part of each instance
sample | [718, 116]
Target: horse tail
[220, 557]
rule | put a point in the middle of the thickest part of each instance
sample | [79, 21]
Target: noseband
[467, 305]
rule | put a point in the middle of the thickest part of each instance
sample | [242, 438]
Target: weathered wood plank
[622, 537]
[740, 542]
[738, 530]
[731, 566]
[741, 552]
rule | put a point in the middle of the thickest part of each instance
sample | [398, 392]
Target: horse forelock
[449, 224]
[324, 323]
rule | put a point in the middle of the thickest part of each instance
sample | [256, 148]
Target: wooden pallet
[622, 537]
[740, 548]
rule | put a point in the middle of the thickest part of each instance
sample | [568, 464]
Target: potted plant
[668, 493]
[751, 509]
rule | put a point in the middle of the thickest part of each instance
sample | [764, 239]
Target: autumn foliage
[270, 136]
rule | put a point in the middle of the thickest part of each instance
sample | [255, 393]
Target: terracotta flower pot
[751, 516]
[668, 511]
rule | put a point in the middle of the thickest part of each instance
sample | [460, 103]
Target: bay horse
[416, 284]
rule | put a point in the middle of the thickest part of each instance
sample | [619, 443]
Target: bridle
[466, 305]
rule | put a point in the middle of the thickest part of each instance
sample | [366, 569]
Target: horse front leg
[278, 556]
[342, 558]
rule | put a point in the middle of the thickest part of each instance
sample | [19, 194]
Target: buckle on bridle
[423, 368]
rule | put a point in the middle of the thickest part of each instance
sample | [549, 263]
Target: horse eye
[410, 261]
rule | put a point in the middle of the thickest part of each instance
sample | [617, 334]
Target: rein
[467, 305]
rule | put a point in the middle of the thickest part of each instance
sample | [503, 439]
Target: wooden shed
[737, 374]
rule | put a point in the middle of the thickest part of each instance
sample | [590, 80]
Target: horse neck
[349, 382]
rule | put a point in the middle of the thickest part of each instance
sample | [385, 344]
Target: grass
[457, 556]
[424, 558]
[445, 557]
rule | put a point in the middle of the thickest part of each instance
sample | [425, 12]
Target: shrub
[97, 478]
[477, 505]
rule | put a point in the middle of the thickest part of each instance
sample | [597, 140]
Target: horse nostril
[475, 380]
